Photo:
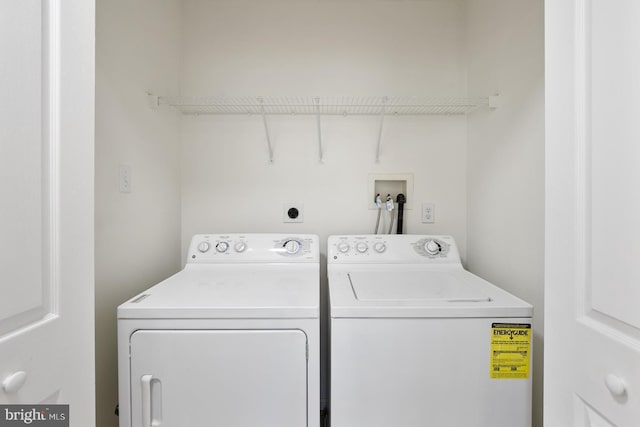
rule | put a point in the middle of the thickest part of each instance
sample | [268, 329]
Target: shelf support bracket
[320, 152]
[153, 101]
[382, 113]
[495, 101]
[266, 128]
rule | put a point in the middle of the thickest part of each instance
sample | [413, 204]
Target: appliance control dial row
[361, 247]
[221, 246]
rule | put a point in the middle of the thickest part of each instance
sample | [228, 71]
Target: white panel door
[592, 290]
[46, 218]
[239, 378]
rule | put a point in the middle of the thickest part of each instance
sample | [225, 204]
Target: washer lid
[202, 291]
[410, 292]
[413, 286]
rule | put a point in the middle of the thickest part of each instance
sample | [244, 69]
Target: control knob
[204, 247]
[343, 247]
[240, 247]
[222, 247]
[432, 247]
[380, 247]
[292, 247]
[362, 247]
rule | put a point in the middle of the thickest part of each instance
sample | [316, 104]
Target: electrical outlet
[124, 174]
[428, 213]
[293, 212]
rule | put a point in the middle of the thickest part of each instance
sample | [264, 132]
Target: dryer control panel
[253, 248]
[393, 249]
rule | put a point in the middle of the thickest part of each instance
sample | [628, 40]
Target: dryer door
[231, 378]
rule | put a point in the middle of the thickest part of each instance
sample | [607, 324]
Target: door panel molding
[612, 86]
[45, 308]
[587, 306]
[582, 158]
[51, 139]
[589, 416]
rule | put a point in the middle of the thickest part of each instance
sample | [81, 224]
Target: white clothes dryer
[231, 340]
[418, 341]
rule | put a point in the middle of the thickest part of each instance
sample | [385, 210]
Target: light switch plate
[124, 174]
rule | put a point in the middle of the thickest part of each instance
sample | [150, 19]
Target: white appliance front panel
[422, 372]
[231, 378]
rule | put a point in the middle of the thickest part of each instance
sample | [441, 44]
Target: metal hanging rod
[325, 106]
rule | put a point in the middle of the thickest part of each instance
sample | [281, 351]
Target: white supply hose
[379, 205]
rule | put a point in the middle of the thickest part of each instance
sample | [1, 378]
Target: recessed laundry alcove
[192, 172]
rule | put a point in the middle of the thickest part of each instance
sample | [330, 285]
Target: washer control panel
[238, 248]
[392, 248]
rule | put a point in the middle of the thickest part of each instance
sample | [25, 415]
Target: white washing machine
[418, 341]
[231, 340]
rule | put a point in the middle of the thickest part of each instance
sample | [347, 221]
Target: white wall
[505, 242]
[137, 234]
[323, 48]
[326, 47]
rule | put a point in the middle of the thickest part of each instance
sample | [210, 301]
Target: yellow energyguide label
[510, 350]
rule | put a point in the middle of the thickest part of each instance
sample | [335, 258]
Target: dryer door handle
[151, 401]
[146, 400]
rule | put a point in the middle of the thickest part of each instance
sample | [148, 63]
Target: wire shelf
[317, 106]
[326, 106]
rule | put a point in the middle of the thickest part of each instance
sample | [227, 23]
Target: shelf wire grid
[326, 106]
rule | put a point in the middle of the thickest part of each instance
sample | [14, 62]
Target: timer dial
[292, 247]
[432, 247]
[222, 247]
